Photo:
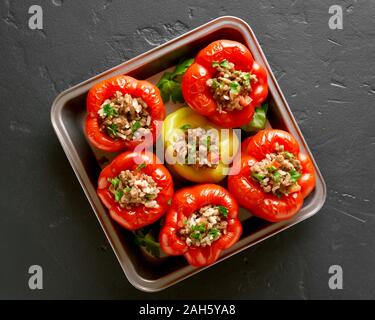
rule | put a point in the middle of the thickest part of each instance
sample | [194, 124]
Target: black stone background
[327, 76]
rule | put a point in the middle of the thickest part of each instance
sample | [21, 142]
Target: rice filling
[205, 226]
[134, 188]
[197, 147]
[278, 172]
[230, 88]
[124, 117]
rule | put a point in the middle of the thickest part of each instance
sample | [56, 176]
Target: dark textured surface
[327, 76]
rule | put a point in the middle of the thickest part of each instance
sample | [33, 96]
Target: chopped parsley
[223, 210]
[112, 129]
[258, 176]
[141, 166]
[118, 195]
[294, 175]
[271, 168]
[186, 127]
[115, 181]
[224, 64]
[135, 126]
[288, 155]
[258, 122]
[149, 196]
[199, 227]
[214, 233]
[235, 87]
[276, 176]
[109, 111]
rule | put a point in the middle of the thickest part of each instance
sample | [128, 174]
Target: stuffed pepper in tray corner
[202, 221]
[275, 176]
[122, 113]
[136, 189]
[225, 84]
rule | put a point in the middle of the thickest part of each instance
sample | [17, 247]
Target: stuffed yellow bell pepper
[196, 149]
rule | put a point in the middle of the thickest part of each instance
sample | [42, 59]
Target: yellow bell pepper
[228, 145]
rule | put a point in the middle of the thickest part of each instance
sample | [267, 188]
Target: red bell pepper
[106, 90]
[185, 202]
[137, 216]
[198, 95]
[251, 195]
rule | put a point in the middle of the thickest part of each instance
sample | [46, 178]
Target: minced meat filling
[230, 87]
[278, 172]
[197, 147]
[134, 188]
[125, 117]
[205, 226]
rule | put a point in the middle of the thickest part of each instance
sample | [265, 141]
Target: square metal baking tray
[67, 116]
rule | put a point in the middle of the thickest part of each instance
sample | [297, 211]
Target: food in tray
[201, 222]
[196, 149]
[136, 189]
[224, 88]
[275, 176]
[122, 113]
[225, 84]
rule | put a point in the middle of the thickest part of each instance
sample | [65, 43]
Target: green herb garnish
[271, 168]
[115, 181]
[135, 126]
[109, 111]
[215, 64]
[112, 129]
[223, 210]
[207, 143]
[258, 176]
[170, 83]
[199, 228]
[149, 196]
[246, 76]
[147, 241]
[288, 155]
[235, 87]
[259, 119]
[215, 84]
[118, 195]
[195, 235]
[294, 175]
[141, 166]
[246, 79]
[181, 69]
[224, 64]
[128, 189]
[276, 176]
[186, 127]
[214, 232]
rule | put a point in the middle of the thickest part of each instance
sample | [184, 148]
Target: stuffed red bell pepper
[122, 113]
[136, 189]
[225, 84]
[274, 177]
[201, 222]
